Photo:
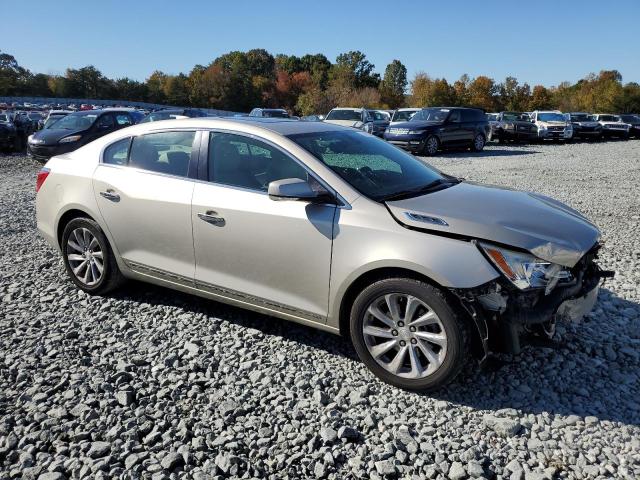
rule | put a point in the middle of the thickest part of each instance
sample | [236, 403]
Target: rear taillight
[42, 176]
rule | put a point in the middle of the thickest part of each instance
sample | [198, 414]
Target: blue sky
[545, 43]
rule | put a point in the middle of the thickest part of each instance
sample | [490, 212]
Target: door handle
[211, 217]
[110, 195]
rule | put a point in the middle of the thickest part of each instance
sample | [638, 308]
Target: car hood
[51, 136]
[545, 227]
[345, 123]
[586, 124]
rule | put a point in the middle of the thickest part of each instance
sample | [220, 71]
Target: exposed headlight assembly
[525, 270]
[71, 138]
[416, 132]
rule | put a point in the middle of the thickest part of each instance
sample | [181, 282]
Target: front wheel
[88, 258]
[431, 146]
[478, 143]
[408, 334]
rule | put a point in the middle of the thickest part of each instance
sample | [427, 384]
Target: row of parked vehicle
[48, 133]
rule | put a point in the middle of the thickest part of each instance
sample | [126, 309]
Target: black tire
[454, 324]
[431, 146]
[111, 277]
[479, 141]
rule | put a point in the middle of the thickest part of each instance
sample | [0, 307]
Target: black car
[75, 130]
[432, 129]
[585, 126]
[377, 123]
[634, 121]
[514, 126]
[172, 113]
[8, 134]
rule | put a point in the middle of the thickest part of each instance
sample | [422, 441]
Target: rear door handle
[211, 217]
[111, 195]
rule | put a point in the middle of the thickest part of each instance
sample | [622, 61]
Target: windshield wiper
[414, 192]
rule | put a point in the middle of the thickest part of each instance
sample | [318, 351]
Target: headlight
[30, 138]
[525, 270]
[72, 138]
[416, 132]
[542, 127]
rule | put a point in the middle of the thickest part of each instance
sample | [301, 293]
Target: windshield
[372, 166]
[403, 116]
[344, 115]
[514, 116]
[76, 122]
[582, 117]
[4, 117]
[551, 117]
[608, 118]
[35, 116]
[492, 117]
[378, 116]
[52, 119]
[431, 115]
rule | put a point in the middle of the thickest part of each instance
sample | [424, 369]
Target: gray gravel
[150, 383]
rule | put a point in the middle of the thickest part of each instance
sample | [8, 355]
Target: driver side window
[105, 121]
[245, 162]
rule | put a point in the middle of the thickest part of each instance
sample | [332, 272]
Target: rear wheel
[407, 333]
[478, 143]
[88, 258]
[431, 146]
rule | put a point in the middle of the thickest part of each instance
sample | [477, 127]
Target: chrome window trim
[342, 202]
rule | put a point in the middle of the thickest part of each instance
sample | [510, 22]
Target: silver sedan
[326, 226]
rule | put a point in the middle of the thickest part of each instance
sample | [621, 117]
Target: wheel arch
[66, 217]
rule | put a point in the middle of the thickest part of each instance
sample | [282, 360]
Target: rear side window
[454, 116]
[245, 162]
[105, 121]
[117, 153]
[163, 152]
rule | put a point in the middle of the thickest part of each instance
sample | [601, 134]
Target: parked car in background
[432, 129]
[173, 114]
[585, 126]
[75, 130]
[377, 122]
[403, 115]
[269, 113]
[349, 117]
[8, 133]
[312, 118]
[426, 268]
[634, 124]
[513, 126]
[24, 128]
[612, 126]
[551, 125]
[54, 116]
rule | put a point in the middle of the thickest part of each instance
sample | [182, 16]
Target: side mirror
[296, 189]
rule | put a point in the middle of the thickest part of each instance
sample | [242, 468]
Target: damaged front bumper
[502, 312]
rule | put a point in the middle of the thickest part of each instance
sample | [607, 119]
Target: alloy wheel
[432, 145]
[404, 335]
[479, 142]
[85, 256]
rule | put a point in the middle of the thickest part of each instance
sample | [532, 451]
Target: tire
[443, 323]
[431, 146]
[478, 143]
[83, 242]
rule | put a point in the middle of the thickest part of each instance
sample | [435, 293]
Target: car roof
[282, 126]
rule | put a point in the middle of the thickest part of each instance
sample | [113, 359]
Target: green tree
[394, 84]
[356, 65]
[482, 93]
[540, 98]
[12, 75]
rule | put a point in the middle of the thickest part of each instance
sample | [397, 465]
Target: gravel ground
[150, 383]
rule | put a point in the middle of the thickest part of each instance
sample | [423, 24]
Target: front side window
[246, 162]
[372, 166]
[163, 152]
[105, 121]
[454, 117]
[432, 115]
[117, 153]
[123, 119]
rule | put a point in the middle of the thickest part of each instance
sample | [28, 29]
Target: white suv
[552, 125]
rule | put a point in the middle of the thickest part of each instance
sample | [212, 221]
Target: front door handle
[211, 217]
[111, 195]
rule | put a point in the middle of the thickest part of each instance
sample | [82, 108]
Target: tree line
[239, 81]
